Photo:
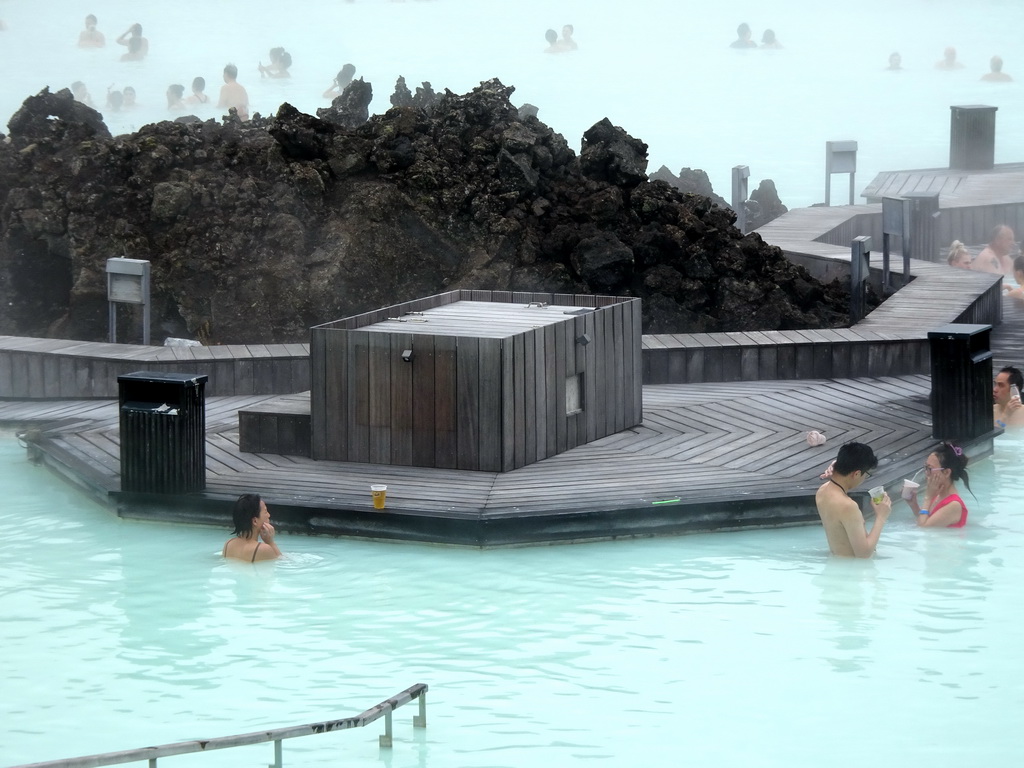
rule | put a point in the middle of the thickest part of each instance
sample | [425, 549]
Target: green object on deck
[667, 501]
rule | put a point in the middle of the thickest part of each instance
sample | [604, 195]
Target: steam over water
[662, 69]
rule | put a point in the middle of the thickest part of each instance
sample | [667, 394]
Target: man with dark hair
[840, 515]
[743, 35]
[232, 94]
[1006, 407]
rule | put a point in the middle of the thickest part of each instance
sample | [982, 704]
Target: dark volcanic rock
[402, 97]
[55, 117]
[258, 230]
[610, 154]
[764, 205]
[690, 180]
[351, 108]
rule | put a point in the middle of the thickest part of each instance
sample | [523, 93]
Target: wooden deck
[707, 456]
[993, 187]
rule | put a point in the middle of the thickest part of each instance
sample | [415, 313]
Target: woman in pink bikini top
[943, 507]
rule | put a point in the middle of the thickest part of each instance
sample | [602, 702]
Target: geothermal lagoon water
[744, 648]
[724, 649]
[661, 69]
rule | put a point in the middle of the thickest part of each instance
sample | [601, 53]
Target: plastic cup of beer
[379, 493]
[877, 494]
[909, 489]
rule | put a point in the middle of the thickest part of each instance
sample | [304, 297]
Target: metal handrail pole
[420, 720]
[278, 751]
[383, 709]
[386, 740]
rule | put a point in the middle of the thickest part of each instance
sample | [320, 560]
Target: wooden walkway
[993, 187]
[707, 456]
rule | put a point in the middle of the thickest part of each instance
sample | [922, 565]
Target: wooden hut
[480, 380]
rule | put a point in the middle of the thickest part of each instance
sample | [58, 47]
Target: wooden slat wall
[356, 395]
[318, 397]
[401, 405]
[446, 402]
[490, 439]
[378, 375]
[424, 387]
[62, 369]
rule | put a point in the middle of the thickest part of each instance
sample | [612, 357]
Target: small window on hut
[574, 395]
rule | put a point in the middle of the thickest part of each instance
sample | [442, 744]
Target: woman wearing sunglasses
[943, 507]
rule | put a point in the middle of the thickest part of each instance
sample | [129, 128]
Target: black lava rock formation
[258, 230]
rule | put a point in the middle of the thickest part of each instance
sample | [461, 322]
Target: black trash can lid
[161, 377]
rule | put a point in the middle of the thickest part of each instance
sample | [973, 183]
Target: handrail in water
[384, 709]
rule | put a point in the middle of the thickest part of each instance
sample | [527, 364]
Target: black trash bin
[163, 432]
[961, 381]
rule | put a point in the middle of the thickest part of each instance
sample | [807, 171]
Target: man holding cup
[1006, 407]
[840, 515]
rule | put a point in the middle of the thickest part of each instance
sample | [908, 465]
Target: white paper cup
[909, 489]
[877, 493]
[815, 438]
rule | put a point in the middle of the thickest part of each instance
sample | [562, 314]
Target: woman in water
[341, 82]
[137, 45]
[958, 255]
[280, 60]
[176, 97]
[198, 92]
[254, 535]
[943, 506]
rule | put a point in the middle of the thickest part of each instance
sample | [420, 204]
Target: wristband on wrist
[1000, 424]
[923, 512]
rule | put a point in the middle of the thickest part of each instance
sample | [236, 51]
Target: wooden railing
[384, 709]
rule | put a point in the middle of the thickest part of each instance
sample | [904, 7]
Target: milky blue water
[661, 69]
[743, 648]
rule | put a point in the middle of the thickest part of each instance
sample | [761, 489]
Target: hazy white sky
[661, 69]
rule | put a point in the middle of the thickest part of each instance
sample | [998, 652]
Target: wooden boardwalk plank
[714, 442]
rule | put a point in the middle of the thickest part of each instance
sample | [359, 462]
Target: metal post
[128, 282]
[860, 255]
[277, 755]
[840, 157]
[896, 221]
[420, 720]
[385, 739]
[740, 174]
[924, 224]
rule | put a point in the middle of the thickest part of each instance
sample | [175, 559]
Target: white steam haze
[661, 69]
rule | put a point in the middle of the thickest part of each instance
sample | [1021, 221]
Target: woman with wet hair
[943, 507]
[176, 97]
[280, 60]
[254, 535]
[768, 40]
[958, 255]
[137, 45]
[341, 81]
[198, 92]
